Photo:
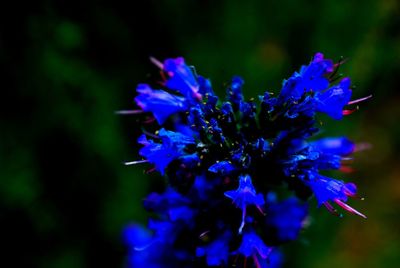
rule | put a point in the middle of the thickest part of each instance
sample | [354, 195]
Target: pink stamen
[362, 146]
[197, 96]
[340, 62]
[348, 208]
[150, 120]
[348, 112]
[261, 211]
[347, 158]
[157, 62]
[346, 169]
[331, 209]
[256, 262]
[150, 170]
[359, 100]
[162, 74]
[125, 112]
[161, 83]
[135, 162]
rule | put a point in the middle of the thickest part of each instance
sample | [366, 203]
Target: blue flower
[234, 92]
[212, 149]
[161, 103]
[331, 152]
[172, 205]
[150, 249]
[204, 188]
[310, 78]
[223, 168]
[245, 196]
[274, 260]
[196, 119]
[216, 252]
[334, 99]
[205, 87]
[175, 139]
[252, 245]
[285, 219]
[162, 154]
[327, 189]
[158, 154]
[182, 79]
[336, 145]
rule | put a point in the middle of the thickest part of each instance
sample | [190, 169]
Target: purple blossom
[161, 103]
[334, 99]
[216, 252]
[182, 79]
[327, 190]
[245, 196]
[336, 145]
[253, 246]
[285, 219]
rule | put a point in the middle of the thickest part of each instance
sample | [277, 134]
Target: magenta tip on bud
[348, 112]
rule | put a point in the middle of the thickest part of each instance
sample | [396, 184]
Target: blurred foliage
[64, 195]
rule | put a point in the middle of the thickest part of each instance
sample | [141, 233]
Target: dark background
[64, 194]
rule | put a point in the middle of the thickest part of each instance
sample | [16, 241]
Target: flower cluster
[228, 163]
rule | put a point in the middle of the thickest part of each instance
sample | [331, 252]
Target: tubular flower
[245, 195]
[223, 159]
[161, 103]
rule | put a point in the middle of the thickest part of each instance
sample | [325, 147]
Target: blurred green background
[64, 194]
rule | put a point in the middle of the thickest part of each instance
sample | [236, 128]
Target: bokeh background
[64, 194]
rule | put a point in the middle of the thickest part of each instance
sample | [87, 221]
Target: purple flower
[336, 145]
[334, 99]
[161, 103]
[182, 79]
[171, 204]
[253, 246]
[327, 189]
[212, 149]
[310, 78]
[244, 196]
[234, 92]
[161, 154]
[216, 252]
[158, 154]
[285, 219]
[274, 260]
[223, 168]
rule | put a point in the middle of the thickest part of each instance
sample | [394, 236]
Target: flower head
[221, 157]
